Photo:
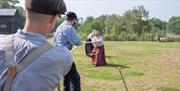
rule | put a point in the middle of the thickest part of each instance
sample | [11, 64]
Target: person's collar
[67, 22]
[30, 35]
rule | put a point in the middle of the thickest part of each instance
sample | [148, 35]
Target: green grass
[135, 74]
[139, 62]
[169, 89]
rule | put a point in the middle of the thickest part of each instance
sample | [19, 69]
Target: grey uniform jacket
[44, 73]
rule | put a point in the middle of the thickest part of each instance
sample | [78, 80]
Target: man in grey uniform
[45, 71]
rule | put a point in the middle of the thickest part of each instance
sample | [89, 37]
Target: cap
[71, 15]
[50, 7]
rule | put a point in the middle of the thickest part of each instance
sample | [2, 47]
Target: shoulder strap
[32, 56]
[9, 60]
[9, 50]
[24, 63]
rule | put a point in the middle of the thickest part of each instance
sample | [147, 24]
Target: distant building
[8, 21]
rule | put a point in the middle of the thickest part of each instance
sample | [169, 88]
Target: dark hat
[71, 15]
[50, 7]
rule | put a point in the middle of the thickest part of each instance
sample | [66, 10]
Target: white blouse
[98, 40]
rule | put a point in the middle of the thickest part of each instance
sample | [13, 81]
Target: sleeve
[72, 37]
[89, 36]
[101, 39]
[68, 68]
[69, 61]
[56, 35]
[95, 39]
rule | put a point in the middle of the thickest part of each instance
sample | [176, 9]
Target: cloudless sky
[162, 9]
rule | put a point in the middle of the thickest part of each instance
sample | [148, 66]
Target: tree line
[133, 24]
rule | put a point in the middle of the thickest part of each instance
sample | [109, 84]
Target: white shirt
[91, 35]
[98, 40]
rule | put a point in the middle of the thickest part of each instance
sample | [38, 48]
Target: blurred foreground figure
[27, 61]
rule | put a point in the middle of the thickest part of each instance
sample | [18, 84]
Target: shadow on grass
[118, 67]
[112, 64]
[115, 65]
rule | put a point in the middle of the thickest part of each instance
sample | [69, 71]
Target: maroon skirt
[98, 56]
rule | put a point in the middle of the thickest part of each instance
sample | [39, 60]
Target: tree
[4, 4]
[99, 23]
[174, 24]
[20, 12]
[85, 27]
[133, 23]
[58, 22]
[12, 2]
[89, 19]
[8, 3]
[158, 27]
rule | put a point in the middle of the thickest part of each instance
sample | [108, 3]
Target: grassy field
[146, 66]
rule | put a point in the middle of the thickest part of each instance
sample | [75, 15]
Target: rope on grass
[119, 69]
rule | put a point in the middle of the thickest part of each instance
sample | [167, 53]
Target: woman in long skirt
[98, 52]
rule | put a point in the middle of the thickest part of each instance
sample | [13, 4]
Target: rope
[74, 48]
[119, 69]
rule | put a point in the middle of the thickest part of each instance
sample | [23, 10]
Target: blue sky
[162, 9]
